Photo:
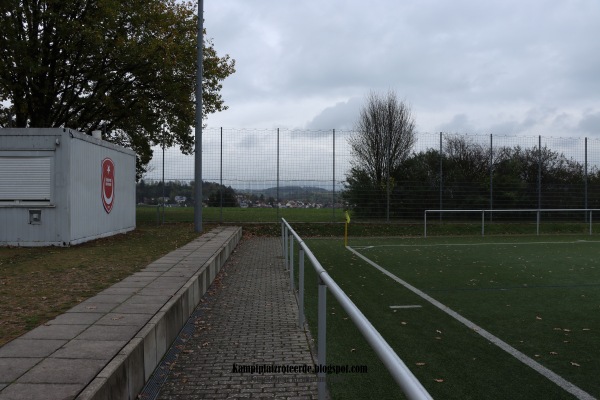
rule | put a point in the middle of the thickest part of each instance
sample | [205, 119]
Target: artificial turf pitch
[540, 295]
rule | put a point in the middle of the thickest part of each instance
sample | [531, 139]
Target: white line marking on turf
[557, 379]
[471, 244]
[415, 306]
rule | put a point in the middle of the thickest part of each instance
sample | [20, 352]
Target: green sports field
[538, 297]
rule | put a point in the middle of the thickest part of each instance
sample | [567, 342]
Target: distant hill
[302, 193]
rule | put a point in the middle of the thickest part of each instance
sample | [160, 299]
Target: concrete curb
[125, 376]
[108, 346]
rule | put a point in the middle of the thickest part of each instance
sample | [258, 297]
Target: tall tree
[127, 67]
[384, 137]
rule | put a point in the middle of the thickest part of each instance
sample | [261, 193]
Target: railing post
[301, 288]
[292, 262]
[425, 224]
[285, 248]
[482, 222]
[282, 234]
[590, 222]
[322, 336]
[538, 223]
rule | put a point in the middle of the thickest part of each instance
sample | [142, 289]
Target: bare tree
[384, 136]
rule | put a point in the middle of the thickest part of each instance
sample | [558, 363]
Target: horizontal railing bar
[409, 384]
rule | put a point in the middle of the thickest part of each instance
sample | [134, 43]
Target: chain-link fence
[261, 175]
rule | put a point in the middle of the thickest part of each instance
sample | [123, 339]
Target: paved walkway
[108, 345]
[248, 318]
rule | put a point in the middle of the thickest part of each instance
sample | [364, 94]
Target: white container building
[59, 187]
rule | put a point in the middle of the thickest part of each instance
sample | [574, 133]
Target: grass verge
[38, 284]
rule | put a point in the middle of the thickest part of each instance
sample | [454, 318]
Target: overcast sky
[510, 67]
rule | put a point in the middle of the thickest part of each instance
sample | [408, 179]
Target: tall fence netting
[308, 175]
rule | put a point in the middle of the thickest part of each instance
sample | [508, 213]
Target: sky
[508, 67]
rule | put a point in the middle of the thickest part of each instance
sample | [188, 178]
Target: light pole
[198, 144]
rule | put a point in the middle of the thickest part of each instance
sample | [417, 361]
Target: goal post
[537, 213]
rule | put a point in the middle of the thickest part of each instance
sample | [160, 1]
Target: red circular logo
[108, 184]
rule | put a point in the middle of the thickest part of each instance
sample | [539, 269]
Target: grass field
[540, 295]
[237, 214]
[541, 298]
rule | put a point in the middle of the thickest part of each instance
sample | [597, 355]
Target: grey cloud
[342, 115]
[590, 123]
[459, 124]
[463, 57]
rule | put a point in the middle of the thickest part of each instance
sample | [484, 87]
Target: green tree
[127, 67]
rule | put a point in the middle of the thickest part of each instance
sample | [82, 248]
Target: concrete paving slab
[12, 368]
[109, 298]
[124, 319]
[19, 391]
[138, 308]
[148, 299]
[149, 273]
[119, 291]
[181, 272]
[67, 332]
[89, 306]
[75, 318]
[109, 332]
[59, 370]
[137, 277]
[131, 284]
[152, 291]
[30, 348]
[90, 349]
[160, 284]
[159, 267]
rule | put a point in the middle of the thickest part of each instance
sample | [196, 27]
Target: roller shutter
[25, 178]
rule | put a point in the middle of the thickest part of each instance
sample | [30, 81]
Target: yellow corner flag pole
[346, 229]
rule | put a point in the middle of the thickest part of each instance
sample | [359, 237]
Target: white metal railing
[408, 383]
[537, 212]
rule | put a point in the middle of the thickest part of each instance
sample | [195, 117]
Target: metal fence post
[277, 200]
[491, 175]
[301, 288]
[322, 336]
[441, 176]
[333, 179]
[221, 182]
[586, 178]
[540, 172]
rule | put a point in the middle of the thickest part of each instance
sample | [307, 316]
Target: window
[25, 178]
